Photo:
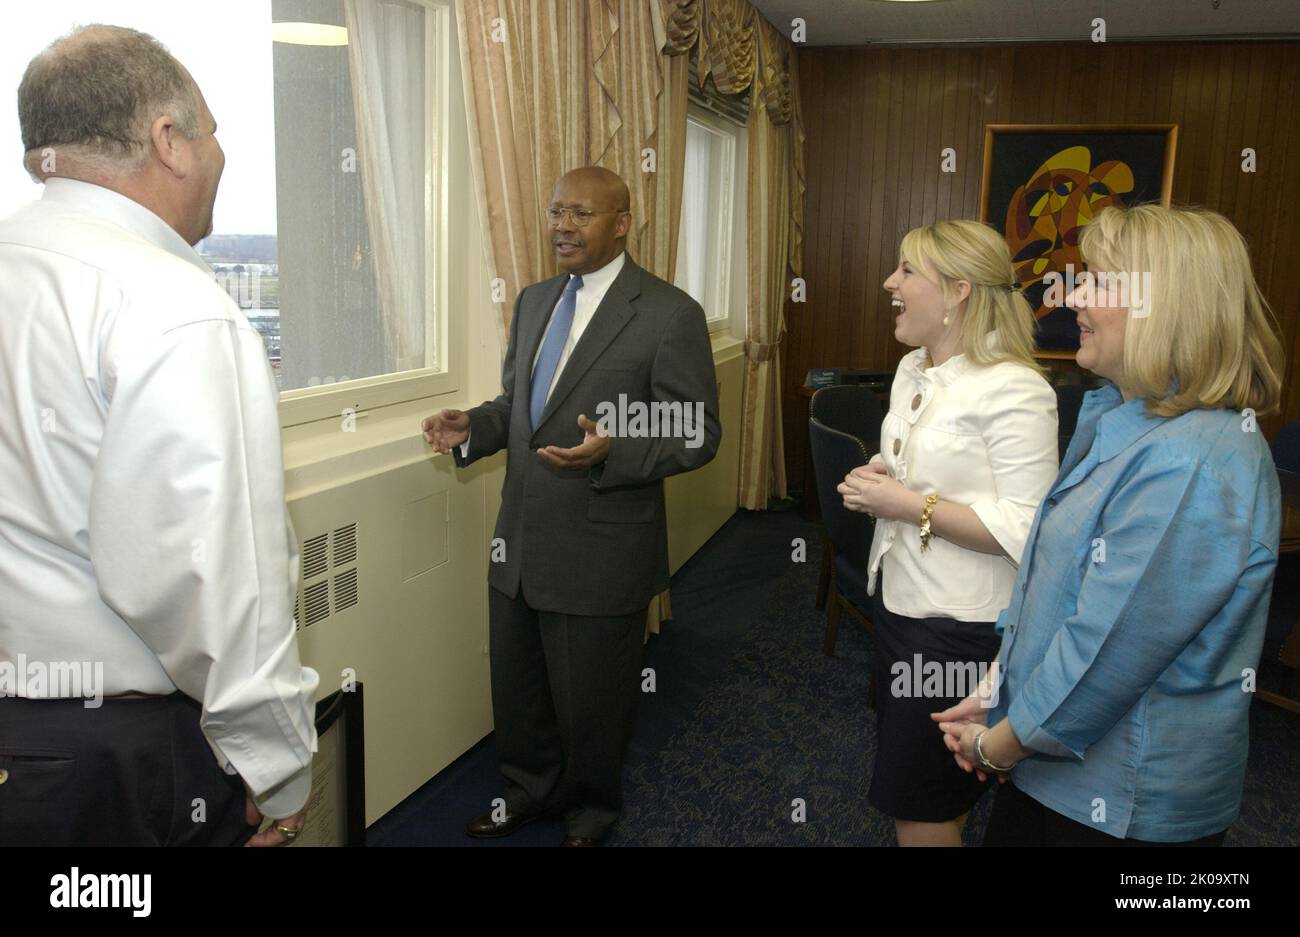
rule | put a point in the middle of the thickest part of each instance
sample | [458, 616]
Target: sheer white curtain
[692, 243]
[386, 60]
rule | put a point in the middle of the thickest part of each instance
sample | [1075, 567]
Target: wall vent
[323, 555]
[345, 590]
[316, 601]
[345, 545]
[315, 558]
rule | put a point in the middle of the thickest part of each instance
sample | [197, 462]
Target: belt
[116, 696]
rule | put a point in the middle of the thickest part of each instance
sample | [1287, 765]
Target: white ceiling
[859, 22]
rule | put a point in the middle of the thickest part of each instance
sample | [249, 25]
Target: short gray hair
[93, 95]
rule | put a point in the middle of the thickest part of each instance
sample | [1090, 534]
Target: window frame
[721, 259]
[444, 333]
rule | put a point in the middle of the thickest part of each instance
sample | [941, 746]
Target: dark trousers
[1019, 820]
[132, 772]
[564, 697]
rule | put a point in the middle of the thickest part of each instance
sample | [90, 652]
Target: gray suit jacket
[595, 542]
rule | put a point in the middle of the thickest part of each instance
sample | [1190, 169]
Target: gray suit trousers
[564, 698]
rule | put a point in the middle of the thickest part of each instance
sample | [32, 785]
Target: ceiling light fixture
[309, 34]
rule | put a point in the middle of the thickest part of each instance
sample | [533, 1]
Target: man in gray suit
[608, 389]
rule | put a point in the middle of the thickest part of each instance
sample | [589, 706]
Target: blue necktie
[552, 347]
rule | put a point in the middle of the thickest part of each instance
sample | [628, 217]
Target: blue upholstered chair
[844, 432]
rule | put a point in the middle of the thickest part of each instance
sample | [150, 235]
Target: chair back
[835, 453]
[1286, 447]
[1289, 482]
[852, 409]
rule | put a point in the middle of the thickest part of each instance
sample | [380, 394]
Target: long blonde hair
[1206, 337]
[948, 251]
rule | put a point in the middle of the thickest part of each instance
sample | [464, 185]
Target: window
[712, 203]
[328, 226]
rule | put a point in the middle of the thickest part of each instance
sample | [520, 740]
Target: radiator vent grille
[345, 590]
[345, 545]
[317, 602]
[315, 558]
[322, 555]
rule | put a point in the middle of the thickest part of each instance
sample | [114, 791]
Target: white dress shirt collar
[598, 281]
[124, 212]
[588, 299]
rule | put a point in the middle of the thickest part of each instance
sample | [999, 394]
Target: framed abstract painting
[1044, 182]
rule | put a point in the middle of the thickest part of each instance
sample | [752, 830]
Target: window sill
[323, 454]
[725, 346]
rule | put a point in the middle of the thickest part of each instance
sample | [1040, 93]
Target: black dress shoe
[485, 827]
[580, 841]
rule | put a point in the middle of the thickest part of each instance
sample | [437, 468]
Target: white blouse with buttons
[978, 436]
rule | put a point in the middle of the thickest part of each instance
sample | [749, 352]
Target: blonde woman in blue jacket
[1143, 593]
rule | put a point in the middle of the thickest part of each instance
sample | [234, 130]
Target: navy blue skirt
[922, 666]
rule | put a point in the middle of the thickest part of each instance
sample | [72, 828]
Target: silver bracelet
[984, 762]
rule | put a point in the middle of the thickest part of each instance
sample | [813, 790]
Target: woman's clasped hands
[868, 489]
[961, 724]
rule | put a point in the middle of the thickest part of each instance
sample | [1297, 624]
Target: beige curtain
[727, 44]
[678, 26]
[557, 85]
[740, 50]
[775, 245]
[553, 86]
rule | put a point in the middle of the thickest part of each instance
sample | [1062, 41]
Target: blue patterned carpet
[749, 717]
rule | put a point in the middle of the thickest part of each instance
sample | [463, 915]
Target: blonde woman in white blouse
[968, 450]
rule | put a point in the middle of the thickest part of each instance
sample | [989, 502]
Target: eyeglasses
[581, 216]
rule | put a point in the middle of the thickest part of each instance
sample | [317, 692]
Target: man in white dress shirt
[152, 687]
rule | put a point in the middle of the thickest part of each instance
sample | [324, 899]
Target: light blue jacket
[1137, 619]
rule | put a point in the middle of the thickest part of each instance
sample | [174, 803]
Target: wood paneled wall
[877, 121]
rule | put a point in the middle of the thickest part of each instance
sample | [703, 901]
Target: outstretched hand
[446, 429]
[593, 449]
